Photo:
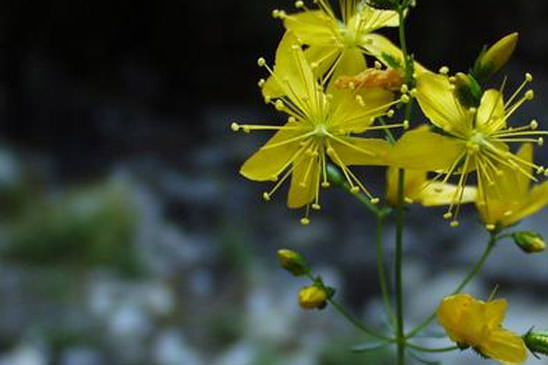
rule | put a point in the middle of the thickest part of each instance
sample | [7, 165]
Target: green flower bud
[496, 57]
[292, 262]
[530, 242]
[467, 90]
[537, 341]
[334, 175]
[313, 297]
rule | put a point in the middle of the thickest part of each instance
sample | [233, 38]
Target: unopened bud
[335, 176]
[293, 262]
[530, 242]
[467, 90]
[537, 341]
[496, 57]
[313, 297]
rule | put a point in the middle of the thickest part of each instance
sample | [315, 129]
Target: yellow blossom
[511, 198]
[319, 128]
[467, 140]
[473, 323]
[312, 297]
[418, 189]
[336, 47]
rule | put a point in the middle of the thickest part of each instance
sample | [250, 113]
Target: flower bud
[334, 175]
[530, 242]
[537, 341]
[496, 57]
[467, 90]
[292, 262]
[313, 297]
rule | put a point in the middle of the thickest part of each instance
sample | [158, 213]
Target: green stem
[475, 270]
[426, 349]
[382, 275]
[400, 331]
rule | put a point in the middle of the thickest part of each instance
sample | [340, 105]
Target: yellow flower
[312, 297]
[319, 127]
[466, 140]
[511, 198]
[337, 47]
[418, 189]
[473, 323]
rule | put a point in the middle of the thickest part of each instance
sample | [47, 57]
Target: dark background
[141, 96]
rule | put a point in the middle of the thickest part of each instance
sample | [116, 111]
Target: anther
[375, 201]
[444, 70]
[413, 93]
[378, 65]
[390, 113]
[299, 4]
[528, 77]
[545, 172]
[540, 141]
[291, 120]
[473, 110]
[404, 89]
[533, 124]
[354, 190]
[261, 62]
[490, 227]
[405, 99]
[454, 224]
[448, 215]
[275, 13]
[316, 206]
[452, 79]
[408, 200]
[305, 221]
[326, 184]
[266, 196]
[279, 105]
[540, 170]
[529, 95]
[405, 125]
[235, 127]
[261, 83]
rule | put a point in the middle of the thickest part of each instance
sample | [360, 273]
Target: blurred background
[127, 235]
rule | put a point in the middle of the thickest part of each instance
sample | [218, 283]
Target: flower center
[321, 131]
[476, 141]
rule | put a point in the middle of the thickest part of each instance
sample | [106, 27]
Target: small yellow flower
[497, 56]
[469, 139]
[337, 47]
[511, 198]
[312, 297]
[418, 189]
[319, 127]
[473, 323]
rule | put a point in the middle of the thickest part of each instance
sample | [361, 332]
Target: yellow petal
[322, 58]
[293, 76]
[537, 200]
[268, 163]
[353, 117]
[422, 149]
[304, 181]
[414, 183]
[373, 19]
[438, 194]
[491, 113]
[450, 314]
[495, 311]
[314, 28]
[505, 346]
[361, 151]
[439, 104]
[381, 47]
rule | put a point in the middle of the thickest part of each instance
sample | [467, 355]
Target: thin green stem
[400, 331]
[382, 275]
[475, 270]
[356, 322]
[426, 349]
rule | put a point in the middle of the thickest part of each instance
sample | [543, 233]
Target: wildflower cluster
[465, 150]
